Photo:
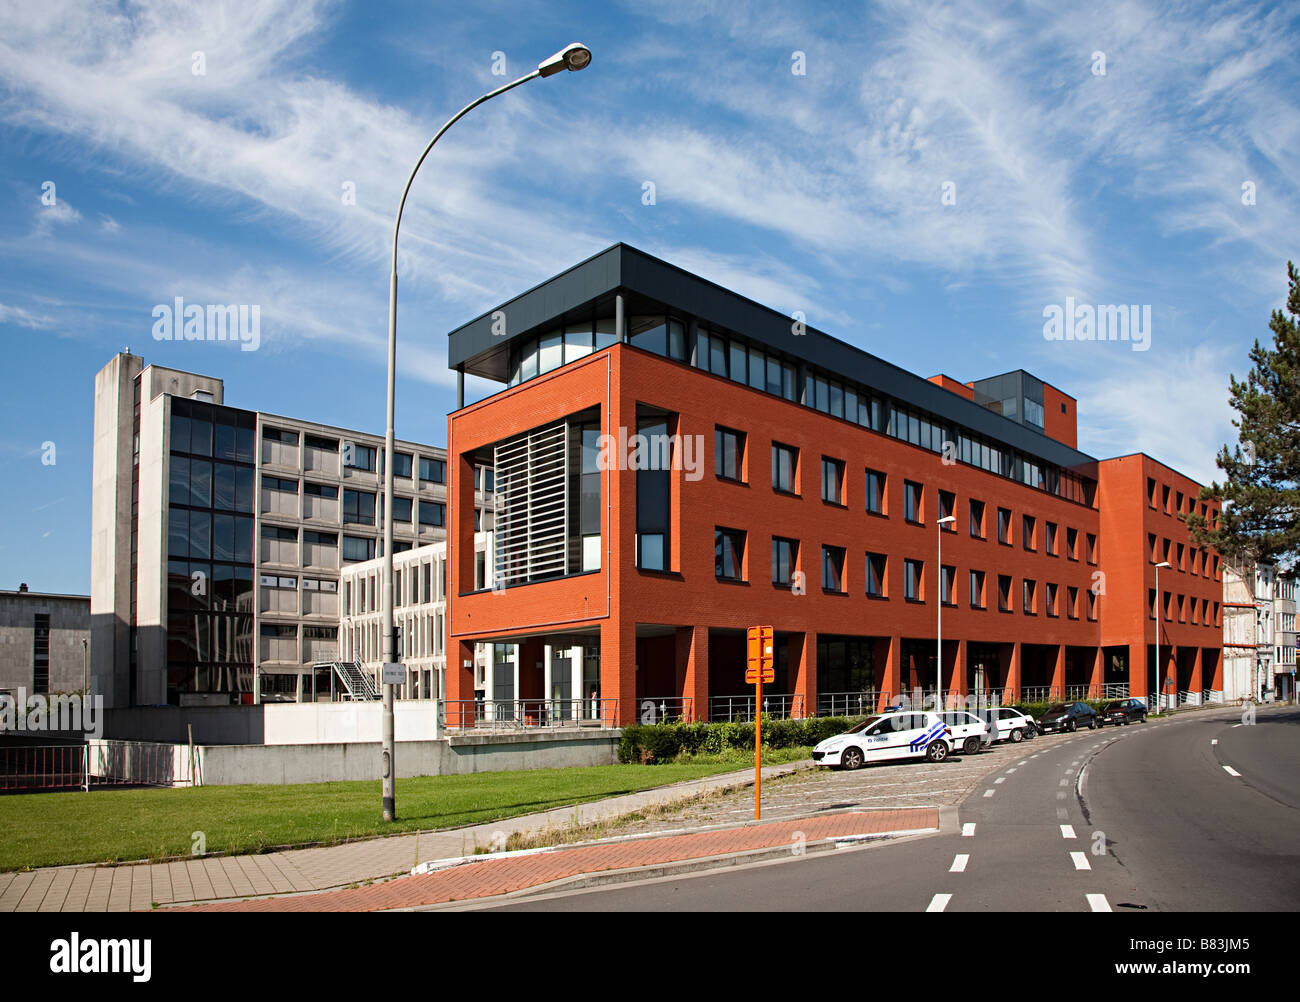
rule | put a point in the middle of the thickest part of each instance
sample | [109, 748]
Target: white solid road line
[1098, 902]
[939, 902]
[1231, 771]
[1081, 861]
[1067, 831]
[959, 862]
[968, 829]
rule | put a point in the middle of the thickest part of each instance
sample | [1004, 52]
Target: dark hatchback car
[1067, 717]
[1123, 711]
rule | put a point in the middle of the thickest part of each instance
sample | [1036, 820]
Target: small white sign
[394, 673]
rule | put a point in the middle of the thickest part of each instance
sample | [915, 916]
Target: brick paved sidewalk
[503, 874]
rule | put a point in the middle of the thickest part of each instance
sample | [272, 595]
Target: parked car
[969, 732]
[887, 737]
[1067, 717]
[1123, 711]
[1008, 724]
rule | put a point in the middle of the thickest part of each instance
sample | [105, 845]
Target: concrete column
[888, 652]
[460, 683]
[618, 671]
[1058, 674]
[692, 664]
[802, 664]
[1216, 672]
[1097, 678]
[1010, 656]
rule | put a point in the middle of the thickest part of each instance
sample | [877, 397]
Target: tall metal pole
[572, 57]
[938, 640]
[1160, 669]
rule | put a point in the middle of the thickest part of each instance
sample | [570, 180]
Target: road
[1196, 813]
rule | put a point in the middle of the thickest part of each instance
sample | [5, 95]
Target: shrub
[658, 743]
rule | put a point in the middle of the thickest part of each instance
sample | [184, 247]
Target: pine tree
[1260, 519]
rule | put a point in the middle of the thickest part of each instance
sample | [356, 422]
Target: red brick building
[785, 478]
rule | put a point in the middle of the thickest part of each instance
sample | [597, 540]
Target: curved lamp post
[938, 632]
[572, 57]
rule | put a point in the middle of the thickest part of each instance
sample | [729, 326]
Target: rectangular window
[947, 582]
[947, 504]
[1004, 593]
[1030, 594]
[875, 492]
[912, 497]
[1092, 547]
[1092, 605]
[1050, 600]
[912, 570]
[358, 506]
[41, 652]
[977, 589]
[833, 568]
[729, 554]
[1028, 528]
[359, 457]
[653, 499]
[785, 464]
[876, 564]
[1072, 543]
[401, 510]
[1049, 540]
[1151, 492]
[433, 471]
[832, 481]
[1072, 602]
[785, 559]
[356, 548]
[977, 519]
[1004, 526]
[728, 454]
[433, 513]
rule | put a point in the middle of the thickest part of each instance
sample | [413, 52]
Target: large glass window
[875, 492]
[912, 580]
[785, 557]
[358, 506]
[833, 568]
[728, 453]
[876, 563]
[433, 471]
[652, 503]
[832, 480]
[728, 554]
[433, 513]
[912, 510]
[356, 548]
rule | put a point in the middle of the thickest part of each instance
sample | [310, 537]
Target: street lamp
[938, 642]
[85, 669]
[1159, 667]
[572, 57]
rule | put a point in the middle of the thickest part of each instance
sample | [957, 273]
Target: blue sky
[819, 191]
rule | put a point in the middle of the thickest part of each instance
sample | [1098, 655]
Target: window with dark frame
[977, 589]
[977, 519]
[729, 554]
[832, 481]
[1004, 526]
[729, 454]
[912, 583]
[1004, 593]
[913, 499]
[785, 559]
[833, 569]
[876, 564]
[875, 492]
[785, 466]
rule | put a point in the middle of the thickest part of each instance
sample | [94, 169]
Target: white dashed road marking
[1061, 812]
[1065, 781]
[959, 863]
[939, 902]
[1067, 831]
[1214, 741]
[1000, 779]
[968, 829]
[1098, 903]
[989, 793]
[1231, 771]
[1081, 861]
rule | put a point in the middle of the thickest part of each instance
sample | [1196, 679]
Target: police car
[886, 737]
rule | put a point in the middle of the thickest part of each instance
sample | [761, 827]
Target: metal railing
[1114, 690]
[666, 709]
[850, 704]
[1188, 698]
[526, 714]
[95, 763]
[42, 767]
[1039, 693]
[1214, 696]
[987, 697]
[741, 708]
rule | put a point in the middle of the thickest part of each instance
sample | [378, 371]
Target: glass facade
[211, 499]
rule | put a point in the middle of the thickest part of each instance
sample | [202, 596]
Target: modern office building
[218, 535]
[419, 614]
[674, 463]
[44, 642]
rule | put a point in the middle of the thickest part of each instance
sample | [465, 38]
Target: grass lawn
[48, 829]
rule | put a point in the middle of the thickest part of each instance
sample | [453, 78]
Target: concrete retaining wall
[274, 723]
[229, 765]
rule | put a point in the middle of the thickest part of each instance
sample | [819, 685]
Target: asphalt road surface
[1196, 813]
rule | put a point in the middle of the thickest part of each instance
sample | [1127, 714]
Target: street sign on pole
[759, 668]
[394, 673]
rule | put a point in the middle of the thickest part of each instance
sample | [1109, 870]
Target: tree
[1260, 519]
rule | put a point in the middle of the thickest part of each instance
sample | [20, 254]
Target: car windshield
[862, 726]
[1057, 708]
[1113, 706]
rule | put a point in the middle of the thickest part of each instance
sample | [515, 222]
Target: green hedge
[659, 743]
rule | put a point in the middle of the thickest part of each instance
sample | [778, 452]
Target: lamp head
[574, 56]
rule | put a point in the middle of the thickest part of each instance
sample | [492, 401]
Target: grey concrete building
[44, 642]
[218, 534]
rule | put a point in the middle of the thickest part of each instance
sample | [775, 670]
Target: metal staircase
[357, 685]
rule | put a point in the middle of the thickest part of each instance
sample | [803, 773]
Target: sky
[923, 181]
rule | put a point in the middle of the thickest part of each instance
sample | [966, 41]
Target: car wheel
[971, 746]
[1073, 726]
[1031, 733]
[937, 752]
[1144, 718]
[1092, 725]
[851, 758]
[1017, 735]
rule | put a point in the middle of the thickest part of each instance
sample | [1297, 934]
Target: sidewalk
[139, 886]
[635, 858]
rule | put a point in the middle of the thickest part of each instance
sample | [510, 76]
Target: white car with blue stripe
[886, 737]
